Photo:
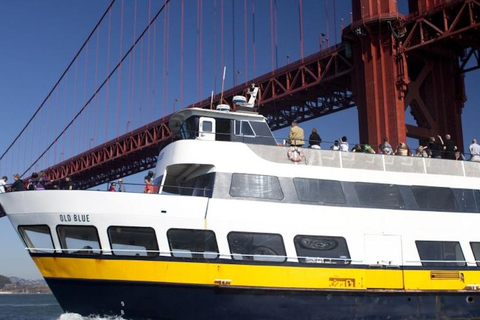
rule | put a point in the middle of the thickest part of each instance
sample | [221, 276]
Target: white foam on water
[76, 316]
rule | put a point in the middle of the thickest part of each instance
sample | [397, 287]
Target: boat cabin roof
[206, 124]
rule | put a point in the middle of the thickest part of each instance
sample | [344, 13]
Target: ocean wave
[76, 316]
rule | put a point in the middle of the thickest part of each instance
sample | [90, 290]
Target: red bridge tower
[411, 63]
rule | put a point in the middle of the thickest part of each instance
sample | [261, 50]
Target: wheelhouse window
[256, 246]
[82, 240]
[379, 195]
[38, 238]
[322, 249]
[255, 186]
[440, 254]
[319, 191]
[191, 243]
[476, 251]
[435, 198]
[133, 241]
[243, 128]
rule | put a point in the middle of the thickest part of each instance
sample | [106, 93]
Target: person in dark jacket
[18, 184]
[314, 140]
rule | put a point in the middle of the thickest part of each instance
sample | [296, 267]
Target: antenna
[211, 101]
[223, 83]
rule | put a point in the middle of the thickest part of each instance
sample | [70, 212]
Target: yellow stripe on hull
[262, 276]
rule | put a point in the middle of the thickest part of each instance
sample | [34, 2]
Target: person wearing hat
[121, 186]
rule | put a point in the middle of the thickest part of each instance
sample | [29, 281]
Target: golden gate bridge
[107, 115]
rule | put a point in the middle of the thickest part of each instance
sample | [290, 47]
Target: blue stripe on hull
[133, 300]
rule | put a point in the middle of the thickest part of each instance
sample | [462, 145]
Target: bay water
[37, 307]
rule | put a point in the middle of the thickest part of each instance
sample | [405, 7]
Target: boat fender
[295, 154]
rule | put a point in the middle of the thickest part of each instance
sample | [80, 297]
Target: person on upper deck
[314, 140]
[66, 184]
[335, 146]
[3, 184]
[402, 149]
[148, 182]
[386, 147]
[450, 148]
[295, 136]
[474, 151]
[18, 184]
[344, 146]
[113, 186]
[121, 186]
[435, 147]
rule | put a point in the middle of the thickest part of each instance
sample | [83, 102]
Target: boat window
[79, 239]
[243, 127]
[319, 191]
[477, 199]
[255, 186]
[191, 243]
[189, 128]
[322, 249]
[224, 129]
[37, 238]
[440, 253]
[133, 241]
[476, 251]
[256, 246]
[261, 129]
[379, 195]
[434, 198]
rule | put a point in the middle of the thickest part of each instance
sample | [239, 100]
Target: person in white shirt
[474, 151]
[3, 184]
[344, 146]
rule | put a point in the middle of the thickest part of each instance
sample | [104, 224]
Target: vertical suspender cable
[334, 22]
[253, 36]
[119, 75]
[272, 60]
[182, 21]
[132, 77]
[234, 69]
[300, 21]
[245, 35]
[147, 82]
[108, 82]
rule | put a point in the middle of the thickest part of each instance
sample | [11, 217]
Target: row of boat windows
[340, 193]
[202, 245]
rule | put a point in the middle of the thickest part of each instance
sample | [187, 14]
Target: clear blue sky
[39, 39]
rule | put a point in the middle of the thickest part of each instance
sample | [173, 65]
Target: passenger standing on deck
[435, 147]
[18, 184]
[3, 184]
[148, 182]
[402, 149]
[344, 146]
[474, 151]
[386, 147]
[450, 148]
[314, 140]
[121, 186]
[335, 146]
[112, 187]
[66, 184]
[295, 136]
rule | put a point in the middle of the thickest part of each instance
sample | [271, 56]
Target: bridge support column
[389, 80]
[377, 90]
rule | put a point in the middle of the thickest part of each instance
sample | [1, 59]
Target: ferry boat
[240, 227]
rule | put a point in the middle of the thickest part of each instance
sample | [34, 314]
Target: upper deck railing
[377, 162]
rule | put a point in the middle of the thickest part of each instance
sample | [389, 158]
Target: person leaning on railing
[474, 151]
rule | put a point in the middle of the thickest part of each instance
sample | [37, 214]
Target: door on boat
[383, 257]
[206, 130]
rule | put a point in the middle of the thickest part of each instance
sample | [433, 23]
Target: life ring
[295, 154]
